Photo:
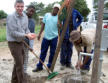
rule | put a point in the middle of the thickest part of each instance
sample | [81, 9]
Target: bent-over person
[83, 42]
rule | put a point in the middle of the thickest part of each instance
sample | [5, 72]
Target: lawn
[37, 29]
[3, 32]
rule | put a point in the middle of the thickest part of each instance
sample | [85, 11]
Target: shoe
[62, 67]
[70, 66]
[37, 69]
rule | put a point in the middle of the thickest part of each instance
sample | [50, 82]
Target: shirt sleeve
[77, 19]
[44, 19]
[13, 28]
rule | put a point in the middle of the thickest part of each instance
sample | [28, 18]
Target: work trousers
[17, 51]
[66, 52]
[44, 48]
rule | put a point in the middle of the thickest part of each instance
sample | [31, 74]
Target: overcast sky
[8, 5]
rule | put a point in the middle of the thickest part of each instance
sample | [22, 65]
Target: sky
[8, 5]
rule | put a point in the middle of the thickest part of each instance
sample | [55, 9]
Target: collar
[18, 14]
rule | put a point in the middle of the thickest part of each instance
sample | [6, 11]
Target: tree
[48, 8]
[81, 6]
[106, 5]
[95, 1]
[2, 14]
[96, 5]
[39, 8]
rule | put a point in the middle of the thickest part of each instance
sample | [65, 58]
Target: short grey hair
[18, 1]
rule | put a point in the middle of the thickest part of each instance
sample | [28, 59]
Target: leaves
[96, 4]
[2, 14]
[81, 6]
[106, 5]
[41, 9]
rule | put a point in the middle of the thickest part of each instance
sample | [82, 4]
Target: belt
[15, 42]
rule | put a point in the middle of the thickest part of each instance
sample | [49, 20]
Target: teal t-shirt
[51, 30]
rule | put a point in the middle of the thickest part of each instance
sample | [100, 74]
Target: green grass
[2, 34]
[37, 28]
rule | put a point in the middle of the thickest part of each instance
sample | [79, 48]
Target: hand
[79, 64]
[38, 37]
[31, 36]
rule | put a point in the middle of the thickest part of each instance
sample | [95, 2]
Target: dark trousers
[87, 65]
[66, 52]
[17, 51]
[44, 48]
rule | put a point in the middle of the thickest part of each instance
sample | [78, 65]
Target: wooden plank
[95, 69]
[62, 34]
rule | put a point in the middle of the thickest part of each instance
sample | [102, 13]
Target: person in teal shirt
[49, 24]
[51, 30]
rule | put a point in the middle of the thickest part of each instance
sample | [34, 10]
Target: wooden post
[95, 69]
[62, 34]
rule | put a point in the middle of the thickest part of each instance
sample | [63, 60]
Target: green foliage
[39, 9]
[95, 1]
[48, 8]
[96, 6]
[2, 14]
[106, 5]
[2, 34]
[63, 15]
[81, 6]
[37, 29]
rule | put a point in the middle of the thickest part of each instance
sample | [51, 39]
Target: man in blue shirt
[49, 23]
[66, 47]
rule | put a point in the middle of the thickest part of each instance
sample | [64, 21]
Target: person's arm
[85, 61]
[78, 48]
[12, 27]
[77, 19]
[89, 49]
[79, 62]
[43, 25]
[42, 28]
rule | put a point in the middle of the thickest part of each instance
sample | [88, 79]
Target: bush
[37, 28]
[2, 34]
